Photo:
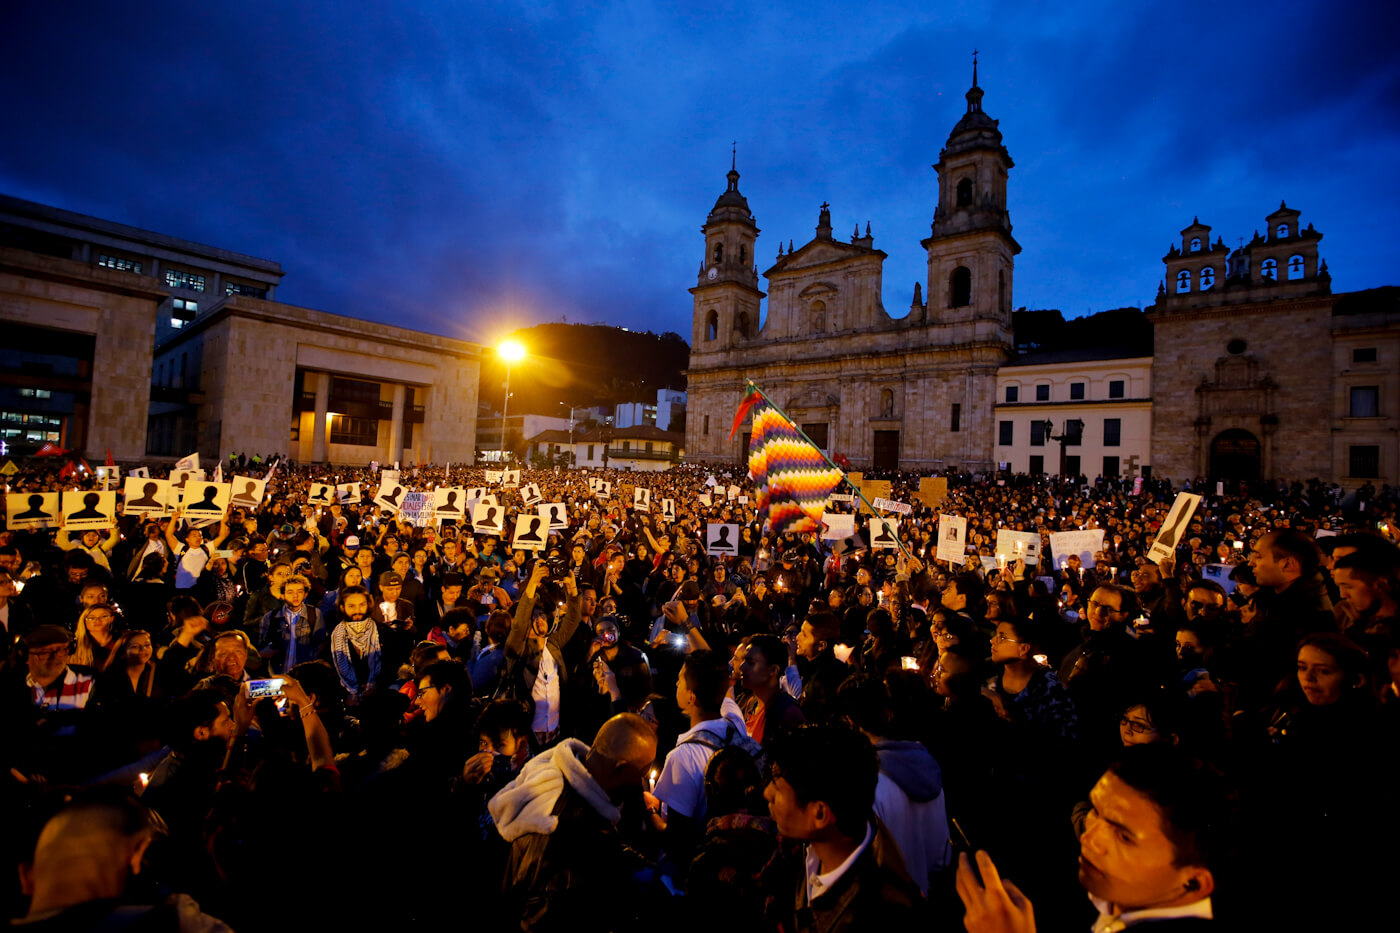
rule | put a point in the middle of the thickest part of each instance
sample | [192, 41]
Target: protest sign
[530, 493]
[1018, 545]
[721, 539]
[83, 511]
[837, 525]
[510, 479]
[144, 496]
[321, 494]
[32, 510]
[932, 490]
[449, 502]
[417, 508]
[952, 538]
[889, 505]
[1084, 544]
[884, 534]
[348, 493]
[1173, 530]
[247, 492]
[486, 519]
[530, 533]
[556, 514]
[390, 496]
[493, 477]
[641, 499]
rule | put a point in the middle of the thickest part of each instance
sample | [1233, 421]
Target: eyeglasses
[1094, 604]
[1000, 637]
[1136, 727]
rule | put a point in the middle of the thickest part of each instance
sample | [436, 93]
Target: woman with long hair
[96, 637]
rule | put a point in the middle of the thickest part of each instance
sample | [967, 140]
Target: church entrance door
[886, 450]
[1234, 455]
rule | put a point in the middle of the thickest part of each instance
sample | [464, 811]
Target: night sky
[465, 168]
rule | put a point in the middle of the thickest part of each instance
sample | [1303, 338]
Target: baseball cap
[389, 578]
[352, 541]
[46, 635]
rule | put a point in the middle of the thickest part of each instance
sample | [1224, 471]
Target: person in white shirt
[192, 556]
[1145, 856]
[96, 544]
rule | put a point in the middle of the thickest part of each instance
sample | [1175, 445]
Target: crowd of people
[330, 714]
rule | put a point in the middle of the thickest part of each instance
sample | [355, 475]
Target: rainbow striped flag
[791, 477]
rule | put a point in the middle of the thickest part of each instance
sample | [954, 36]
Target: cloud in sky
[464, 168]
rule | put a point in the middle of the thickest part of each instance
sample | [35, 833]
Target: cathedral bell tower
[726, 293]
[971, 253]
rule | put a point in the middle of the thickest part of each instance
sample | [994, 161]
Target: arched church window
[719, 253]
[1207, 277]
[711, 326]
[886, 403]
[1296, 267]
[1183, 281]
[965, 192]
[1195, 244]
[960, 288]
[818, 317]
[741, 324]
[741, 254]
[1282, 231]
[1001, 291]
[1269, 269]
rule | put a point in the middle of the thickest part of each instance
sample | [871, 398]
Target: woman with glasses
[96, 637]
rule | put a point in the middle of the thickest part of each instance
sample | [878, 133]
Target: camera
[557, 567]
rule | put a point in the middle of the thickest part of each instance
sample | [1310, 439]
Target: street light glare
[510, 351]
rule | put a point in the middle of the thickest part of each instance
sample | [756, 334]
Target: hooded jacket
[910, 803]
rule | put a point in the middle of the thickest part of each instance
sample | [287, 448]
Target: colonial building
[640, 448]
[914, 392]
[1260, 372]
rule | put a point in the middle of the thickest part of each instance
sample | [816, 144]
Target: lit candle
[652, 778]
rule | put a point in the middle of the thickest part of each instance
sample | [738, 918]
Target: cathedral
[913, 393]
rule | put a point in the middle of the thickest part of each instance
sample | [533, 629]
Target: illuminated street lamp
[511, 352]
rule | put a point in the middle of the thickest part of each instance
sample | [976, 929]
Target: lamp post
[511, 352]
[571, 434]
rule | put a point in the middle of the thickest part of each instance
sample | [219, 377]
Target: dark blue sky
[467, 167]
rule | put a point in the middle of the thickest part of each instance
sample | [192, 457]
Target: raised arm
[515, 641]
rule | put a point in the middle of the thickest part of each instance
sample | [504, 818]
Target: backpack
[732, 739]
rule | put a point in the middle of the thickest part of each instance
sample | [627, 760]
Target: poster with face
[884, 534]
[321, 494]
[178, 481]
[206, 503]
[84, 511]
[1018, 545]
[721, 540]
[555, 514]
[348, 493]
[952, 538]
[488, 519]
[837, 525]
[145, 496]
[510, 479]
[604, 489]
[390, 496]
[32, 510]
[668, 509]
[530, 492]
[247, 492]
[450, 502]
[641, 499]
[143, 472]
[530, 533]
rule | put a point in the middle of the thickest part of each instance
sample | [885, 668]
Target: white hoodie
[526, 804]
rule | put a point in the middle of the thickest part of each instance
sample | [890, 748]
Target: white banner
[952, 538]
[889, 505]
[1018, 545]
[1082, 543]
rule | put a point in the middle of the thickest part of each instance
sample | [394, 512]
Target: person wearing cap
[395, 614]
[487, 592]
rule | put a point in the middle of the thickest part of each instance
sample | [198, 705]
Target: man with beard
[355, 645]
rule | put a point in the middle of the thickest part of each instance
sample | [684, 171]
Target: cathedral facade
[915, 392]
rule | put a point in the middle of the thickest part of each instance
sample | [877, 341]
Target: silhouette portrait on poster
[533, 533]
[249, 496]
[89, 511]
[393, 497]
[884, 537]
[451, 504]
[720, 539]
[35, 512]
[207, 503]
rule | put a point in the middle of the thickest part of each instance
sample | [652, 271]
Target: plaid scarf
[364, 638]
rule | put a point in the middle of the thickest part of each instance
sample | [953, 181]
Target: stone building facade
[914, 392]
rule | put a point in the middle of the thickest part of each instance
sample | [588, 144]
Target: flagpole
[844, 478]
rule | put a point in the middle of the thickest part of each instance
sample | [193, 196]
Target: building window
[960, 288]
[120, 264]
[1115, 388]
[1076, 391]
[818, 317]
[1363, 355]
[35, 393]
[1110, 467]
[1207, 278]
[711, 326]
[1006, 433]
[590, 453]
[358, 432]
[1071, 466]
[1074, 432]
[182, 311]
[707, 431]
[240, 288]
[817, 434]
[1365, 462]
[886, 403]
[648, 446]
[1183, 281]
[1269, 269]
[1283, 231]
[1195, 244]
[1042, 393]
[1037, 464]
[1365, 401]
[626, 445]
[955, 420]
[176, 278]
[741, 254]
[1013, 393]
[719, 253]
[1296, 267]
[1037, 433]
[1112, 432]
[965, 192]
